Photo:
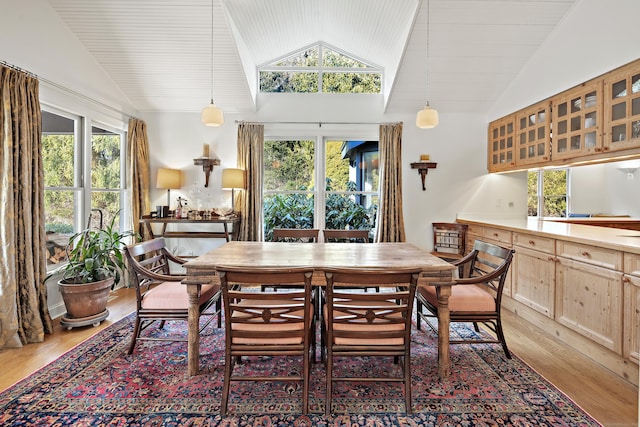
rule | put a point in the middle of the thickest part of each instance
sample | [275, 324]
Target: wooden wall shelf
[423, 169]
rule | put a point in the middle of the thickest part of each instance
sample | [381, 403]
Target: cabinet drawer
[498, 235]
[607, 258]
[475, 229]
[632, 264]
[542, 244]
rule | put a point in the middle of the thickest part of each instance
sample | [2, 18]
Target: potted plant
[95, 264]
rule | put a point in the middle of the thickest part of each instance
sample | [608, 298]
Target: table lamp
[169, 179]
[232, 179]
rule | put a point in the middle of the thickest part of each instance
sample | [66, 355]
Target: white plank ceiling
[159, 51]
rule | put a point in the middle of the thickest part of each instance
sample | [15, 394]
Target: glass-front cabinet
[501, 144]
[533, 131]
[577, 121]
[622, 108]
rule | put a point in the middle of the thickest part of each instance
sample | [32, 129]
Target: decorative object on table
[427, 118]
[483, 389]
[233, 179]
[95, 263]
[212, 115]
[223, 211]
[423, 169]
[171, 179]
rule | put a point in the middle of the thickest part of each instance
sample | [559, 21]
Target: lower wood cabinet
[631, 345]
[534, 280]
[589, 301]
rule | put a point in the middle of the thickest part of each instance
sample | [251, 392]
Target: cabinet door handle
[495, 234]
[625, 279]
[585, 254]
[552, 258]
[532, 243]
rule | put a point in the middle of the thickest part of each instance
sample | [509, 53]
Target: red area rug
[98, 384]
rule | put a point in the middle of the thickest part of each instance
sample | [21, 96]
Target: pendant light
[212, 115]
[427, 118]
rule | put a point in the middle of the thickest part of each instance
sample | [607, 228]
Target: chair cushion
[362, 326]
[173, 295]
[463, 298]
[260, 326]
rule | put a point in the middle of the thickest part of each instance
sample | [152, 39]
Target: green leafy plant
[95, 254]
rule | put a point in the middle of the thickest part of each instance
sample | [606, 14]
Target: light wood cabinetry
[596, 121]
[631, 291]
[496, 236]
[501, 147]
[622, 108]
[589, 301]
[577, 121]
[533, 134]
[534, 273]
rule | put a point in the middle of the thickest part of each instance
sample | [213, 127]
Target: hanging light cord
[211, 51]
[428, 41]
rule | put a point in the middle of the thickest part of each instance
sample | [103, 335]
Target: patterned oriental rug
[98, 384]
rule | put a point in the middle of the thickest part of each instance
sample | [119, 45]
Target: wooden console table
[225, 221]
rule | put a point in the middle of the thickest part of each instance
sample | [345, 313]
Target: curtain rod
[319, 123]
[66, 89]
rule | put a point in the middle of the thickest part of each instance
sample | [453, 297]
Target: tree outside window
[547, 192]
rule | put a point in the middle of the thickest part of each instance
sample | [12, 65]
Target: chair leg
[219, 310]
[475, 327]
[418, 313]
[228, 368]
[407, 382]
[329, 381]
[500, 334]
[134, 337]
[305, 383]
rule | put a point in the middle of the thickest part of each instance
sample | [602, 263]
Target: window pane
[104, 207]
[105, 159]
[351, 82]
[59, 214]
[288, 165]
[288, 81]
[532, 193]
[554, 187]
[292, 210]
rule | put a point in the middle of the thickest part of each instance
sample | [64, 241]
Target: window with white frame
[83, 175]
[548, 192]
[348, 198]
[320, 68]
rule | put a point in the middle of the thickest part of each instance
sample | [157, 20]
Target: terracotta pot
[86, 299]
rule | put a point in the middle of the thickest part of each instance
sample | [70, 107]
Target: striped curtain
[390, 219]
[250, 154]
[139, 173]
[24, 316]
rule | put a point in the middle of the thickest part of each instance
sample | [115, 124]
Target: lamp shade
[233, 178]
[427, 118]
[169, 178]
[212, 115]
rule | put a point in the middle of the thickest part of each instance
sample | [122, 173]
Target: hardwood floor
[609, 399]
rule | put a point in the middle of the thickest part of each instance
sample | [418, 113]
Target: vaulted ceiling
[462, 56]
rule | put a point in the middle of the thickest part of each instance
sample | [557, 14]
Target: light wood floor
[609, 399]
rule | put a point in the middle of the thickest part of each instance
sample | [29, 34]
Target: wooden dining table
[319, 256]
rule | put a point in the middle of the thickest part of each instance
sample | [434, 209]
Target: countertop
[605, 237]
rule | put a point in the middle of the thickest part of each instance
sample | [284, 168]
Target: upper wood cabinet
[622, 108]
[533, 130]
[597, 121]
[501, 147]
[577, 121]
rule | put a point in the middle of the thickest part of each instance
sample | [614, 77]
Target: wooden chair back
[369, 324]
[296, 235]
[267, 323]
[356, 236]
[449, 240]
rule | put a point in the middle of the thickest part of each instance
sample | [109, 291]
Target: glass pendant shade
[212, 115]
[427, 118]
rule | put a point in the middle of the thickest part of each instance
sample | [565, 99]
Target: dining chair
[476, 295]
[267, 323]
[357, 236]
[159, 294]
[296, 235]
[449, 240]
[369, 324]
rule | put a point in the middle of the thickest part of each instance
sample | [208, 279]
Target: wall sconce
[207, 167]
[169, 179]
[629, 172]
[232, 179]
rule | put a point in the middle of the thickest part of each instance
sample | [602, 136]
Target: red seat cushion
[463, 298]
[173, 295]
